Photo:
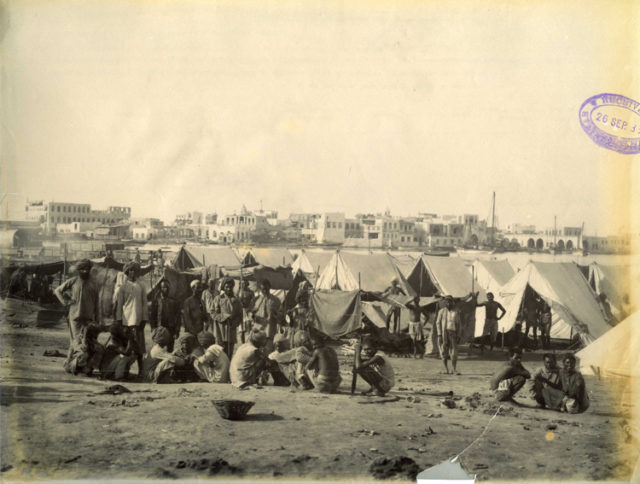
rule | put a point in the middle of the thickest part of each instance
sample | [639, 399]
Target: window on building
[339, 225]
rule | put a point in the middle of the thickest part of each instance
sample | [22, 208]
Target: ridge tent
[217, 256]
[184, 260]
[615, 281]
[491, 275]
[447, 276]
[312, 263]
[374, 271]
[615, 353]
[574, 308]
[269, 257]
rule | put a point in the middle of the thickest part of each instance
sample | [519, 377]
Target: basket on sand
[233, 409]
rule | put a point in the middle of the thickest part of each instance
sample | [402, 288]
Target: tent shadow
[262, 417]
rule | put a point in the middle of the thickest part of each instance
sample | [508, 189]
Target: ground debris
[398, 466]
[54, 354]
[114, 390]
[72, 459]
[214, 466]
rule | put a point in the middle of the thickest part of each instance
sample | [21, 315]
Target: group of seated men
[205, 349]
[562, 389]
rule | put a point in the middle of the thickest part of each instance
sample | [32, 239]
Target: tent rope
[484, 431]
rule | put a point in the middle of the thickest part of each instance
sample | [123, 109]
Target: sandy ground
[55, 425]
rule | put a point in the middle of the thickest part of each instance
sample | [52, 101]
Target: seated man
[119, 355]
[248, 362]
[510, 377]
[575, 398]
[375, 369]
[86, 352]
[188, 350]
[543, 380]
[213, 365]
[324, 362]
[160, 363]
[291, 361]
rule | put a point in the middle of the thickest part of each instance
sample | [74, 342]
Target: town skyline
[313, 108]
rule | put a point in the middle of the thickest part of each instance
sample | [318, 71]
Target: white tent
[491, 275]
[369, 272]
[311, 263]
[615, 281]
[574, 307]
[617, 352]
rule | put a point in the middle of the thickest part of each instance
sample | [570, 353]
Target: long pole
[493, 218]
[554, 232]
[581, 235]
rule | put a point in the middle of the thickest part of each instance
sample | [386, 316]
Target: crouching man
[510, 377]
[375, 369]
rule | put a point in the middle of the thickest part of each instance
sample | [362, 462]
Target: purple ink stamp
[613, 122]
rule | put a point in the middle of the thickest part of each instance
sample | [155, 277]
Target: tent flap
[337, 313]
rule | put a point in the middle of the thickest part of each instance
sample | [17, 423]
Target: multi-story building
[331, 228]
[50, 214]
[564, 238]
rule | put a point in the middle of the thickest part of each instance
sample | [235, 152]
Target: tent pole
[502, 346]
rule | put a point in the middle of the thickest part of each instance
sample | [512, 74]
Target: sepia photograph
[319, 241]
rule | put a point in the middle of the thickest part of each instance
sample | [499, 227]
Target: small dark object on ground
[54, 353]
[221, 466]
[449, 403]
[380, 400]
[233, 409]
[73, 459]
[114, 390]
[398, 466]
[6, 467]
[552, 427]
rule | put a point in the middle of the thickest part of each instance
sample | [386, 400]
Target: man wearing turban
[81, 295]
[192, 312]
[132, 311]
[228, 315]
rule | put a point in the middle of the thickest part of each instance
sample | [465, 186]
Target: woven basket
[233, 409]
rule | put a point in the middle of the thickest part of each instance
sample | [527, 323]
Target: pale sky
[359, 106]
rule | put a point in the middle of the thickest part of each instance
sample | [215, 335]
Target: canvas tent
[269, 257]
[336, 313]
[491, 275]
[573, 303]
[446, 276]
[185, 260]
[311, 263]
[221, 256]
[369, 272]
[616, 353]
[615, 281]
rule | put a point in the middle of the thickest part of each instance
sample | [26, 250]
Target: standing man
[192, 312]
[449, 326]
[132, 311]
[228, 315]
[208, 304]
[246, 299]
[165, 312]
[267, 313]
[394, 311]
[545, 323]
[491, 319]
[81, 295]
[415, 325]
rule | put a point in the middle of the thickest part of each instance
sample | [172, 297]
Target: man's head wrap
[258, 338]
[206, 339]
[83, 264]
[161, 336]
[280, 340]
[190, 340]
[193, 284]
[134, 266]
[227, 280]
